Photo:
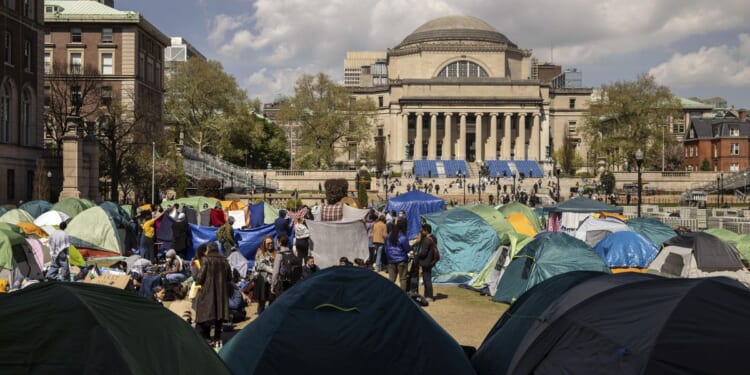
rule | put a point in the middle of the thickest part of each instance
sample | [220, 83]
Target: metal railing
[203, 165]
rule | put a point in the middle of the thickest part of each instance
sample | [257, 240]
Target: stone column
[521, 143]
[448, 138]
[479, 137]
[432, 143]
[404, 137]
[507, 136]
[418, 138]
[534, 152]
[492, 150]
[461, 149]
[72, 160]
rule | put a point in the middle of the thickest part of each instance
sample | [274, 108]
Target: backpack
[291, 269]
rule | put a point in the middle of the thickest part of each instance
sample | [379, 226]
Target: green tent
[17, 258]
[16, 216]
[3, 210]
[270, 214]
[654, 230]
[542, 258]
[196, 202]
[493, 218]
[495, 267]
[743, 246]
[8, 227]
[128, 209]
[724, 234]
[520, 208]
[80, 328]
[73, 206]
[94, 229]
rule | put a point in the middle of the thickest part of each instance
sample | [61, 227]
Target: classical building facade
[21, 127]
[458, 89]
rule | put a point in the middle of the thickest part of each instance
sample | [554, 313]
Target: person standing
[397, 250]
[180, 235]
[282, 278]
[149, 234]
[59, 245]
[212, 302]
[282, 224]
[225, 235]
[426, 258]
[302, 238]
[262, 272]
[379, 232]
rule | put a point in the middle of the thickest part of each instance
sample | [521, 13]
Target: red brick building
[724, 143]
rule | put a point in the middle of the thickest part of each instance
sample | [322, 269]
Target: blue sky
[696, 47]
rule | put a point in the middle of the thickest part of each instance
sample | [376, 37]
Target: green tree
[706, 165]
[251, 140]
[567, 156]
[607, 180]
[329, 118]
[199, 96]
[630, 115]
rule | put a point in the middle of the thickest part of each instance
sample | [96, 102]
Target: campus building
[457, 89]
[21, 127]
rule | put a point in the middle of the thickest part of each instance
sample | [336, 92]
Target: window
[734, 132]
[47, 95]
[75, 35]
[76, 63]
[734, 167]
[28, 8]
[29, 185]
[47, 63]
[107, 64]
[352, 151]
[107, 35]
[8, 47]
[380, 101]
[26, 118]
[47, 37]
[27, 55]
[159, 76]
[463, 69]
[10, 4]
[11, 184]
[572, 127]
[142, 66]
[734, 149]
[150, 70]
[571, 103]
[106, 95]
[5, 106]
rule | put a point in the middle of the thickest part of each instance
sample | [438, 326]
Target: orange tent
[32, 229]
[521, 224]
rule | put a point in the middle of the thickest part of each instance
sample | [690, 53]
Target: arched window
[6, 99]
[463, 69]
[27, 117]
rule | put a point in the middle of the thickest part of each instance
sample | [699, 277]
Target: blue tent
[247, 239]
[626, 249]
[344, 320]
[36, 208]
[416, 204]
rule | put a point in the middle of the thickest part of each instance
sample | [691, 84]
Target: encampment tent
[654, 230]
[95, 329]
[16, 216]
[542, 258]
[330, 324]
[520, 208]
[568, 216]
[36, 208]
[636, 324]
[522, 225]
[73, 206]
[493, 217]
[416, 204]
[486, 280]
[51, 218]
[197, 202]
[94, 233]
[17, 258]
[626, 249]
[593, 230]
[497, 349]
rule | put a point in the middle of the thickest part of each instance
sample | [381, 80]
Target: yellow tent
[232, 205]
[521, 224]
[32, 229]
[615, 215]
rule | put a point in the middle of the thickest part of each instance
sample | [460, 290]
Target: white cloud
[222, 24]
[710, 66]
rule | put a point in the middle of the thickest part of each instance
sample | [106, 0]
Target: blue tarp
[164, 234]
[257, 215]
[416, 204]
[626, 249]
[465, 241]
[248, 240]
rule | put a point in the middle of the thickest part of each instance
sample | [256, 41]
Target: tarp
[520, 208]
[72, 206]
[654, 230]
[330, 323]
[270, 214]
[593, 230]
[51, 218]
[16, 216]
[465, 240]
[353, 214]
[543, 258]
[333, 240]
[416, 204]
[522, 225]
[249, 239]
[36, 208]
[497, 349]
[238, 263]
[94, 229]
[626, 249]
[97, 329]
[164, 233]
[582, 205]
[257, 215]
[649, 326]
[196, 202]
[493, 217]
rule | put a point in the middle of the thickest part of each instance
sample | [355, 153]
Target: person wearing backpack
[287, 268]
[428, 256]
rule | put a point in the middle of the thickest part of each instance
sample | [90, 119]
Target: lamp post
[463, 182]
[479, 185]
[49, 184]
[558, 170]
[497, 186]
[639, 162]
[744, 187]
[718, 192]
[265, 174]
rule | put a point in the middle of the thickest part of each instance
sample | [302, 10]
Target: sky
[695, 47]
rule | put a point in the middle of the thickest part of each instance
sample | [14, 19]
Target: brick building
[723, 142]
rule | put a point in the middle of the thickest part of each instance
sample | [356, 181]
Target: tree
[567, 157]
[329, 118]
[253, 141]
[630, 115]
[607, 180]
[199, 96]
[69, 88]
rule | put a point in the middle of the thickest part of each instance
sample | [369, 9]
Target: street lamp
[558, 170]
[479, 185]
[49, 184]
[639, 162]
[744, 187]
[463, 182]
[265, 174]
[386, 174]
[497, 186]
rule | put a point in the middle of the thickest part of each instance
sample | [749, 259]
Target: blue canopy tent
[416, 204]
[626, 249]
[248, 239]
